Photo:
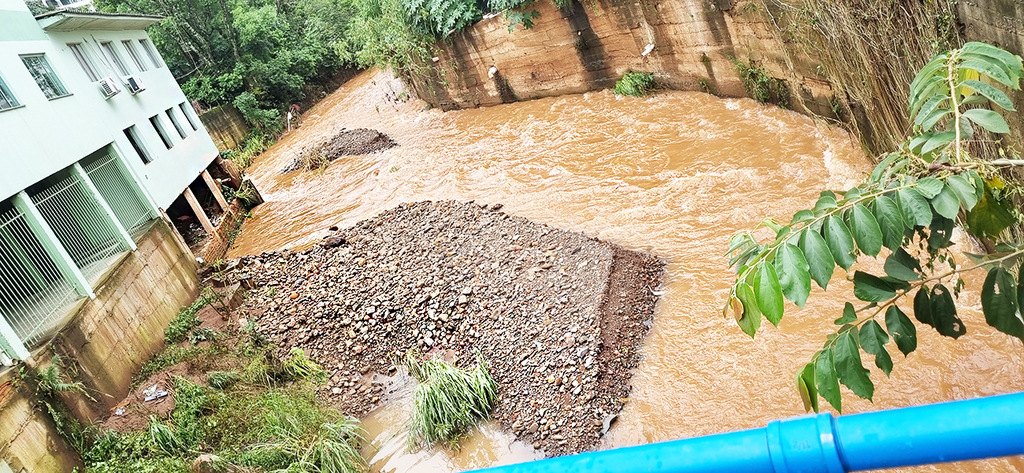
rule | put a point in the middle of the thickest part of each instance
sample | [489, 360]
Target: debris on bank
[559, 316]
[346, 143]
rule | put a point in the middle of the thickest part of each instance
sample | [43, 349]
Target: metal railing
[130, 208]
[34, 292]
[81, 225]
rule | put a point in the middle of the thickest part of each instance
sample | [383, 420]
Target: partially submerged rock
[345, 143]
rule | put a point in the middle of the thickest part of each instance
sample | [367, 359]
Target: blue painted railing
[960, 430]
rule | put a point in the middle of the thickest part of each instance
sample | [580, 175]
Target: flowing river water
[676, 175]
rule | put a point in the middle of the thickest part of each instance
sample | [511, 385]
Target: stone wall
[589, 46]
[226, 126]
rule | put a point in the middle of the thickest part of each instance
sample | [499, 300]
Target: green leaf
[826, 380]
[873, 340]
[866, 230]
[849, 315]
[928, 122]
[997, 96]
[768, 293]
[964, 190]
[966, 129]
[876, 174]
[977, 182]
[802, 216]
[1004, 59]
[927, 73]
[807, 388]
[941, 232]
[890, 221]
[826, 201]
[930, 106]
[849, 367]
[870, 288]
[990, 216]
[929, 187]
[902, 329]
[984, 67]
[840, 241]
[923, 306]
[916, 210]
[999, 303]
[794, 277]
[945, 203]
[750, 320]
[902, 266]
[938, 140]
[943, 312]
[740, 241]
[820, 263]
[988, 120]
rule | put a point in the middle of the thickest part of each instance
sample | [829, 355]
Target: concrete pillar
[11, 343]
[52, 245]
[215, 189]
[200, 213]
[112, 220]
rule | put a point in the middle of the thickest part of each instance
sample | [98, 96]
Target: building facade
[97, 140]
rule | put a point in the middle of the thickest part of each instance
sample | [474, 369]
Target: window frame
[117, 63]
[184, 111]
[134, 54]
[51, 76]
[8, 96]
[81, 55]
[174, 121]
[132, 133]
[160, 130]
[151, 51]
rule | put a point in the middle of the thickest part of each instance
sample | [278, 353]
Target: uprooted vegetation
[448, 400]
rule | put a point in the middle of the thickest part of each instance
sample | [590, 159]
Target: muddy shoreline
[560, 316]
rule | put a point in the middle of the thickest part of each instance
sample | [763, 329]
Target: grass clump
[760, 85]
[188, 318]
[637, 84]
[448, 400]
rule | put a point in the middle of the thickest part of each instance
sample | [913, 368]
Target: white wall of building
[46, 135]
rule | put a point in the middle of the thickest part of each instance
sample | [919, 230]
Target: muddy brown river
[675, 174]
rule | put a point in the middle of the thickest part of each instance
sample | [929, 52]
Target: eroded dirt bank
[559, 316]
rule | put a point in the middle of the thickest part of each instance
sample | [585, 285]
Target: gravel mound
[345, 143]
[559, 316]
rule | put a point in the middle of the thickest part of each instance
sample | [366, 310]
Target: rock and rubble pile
[344, 143]
[559, 316]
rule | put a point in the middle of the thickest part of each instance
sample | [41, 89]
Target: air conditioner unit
[109, 87]
[135, 84]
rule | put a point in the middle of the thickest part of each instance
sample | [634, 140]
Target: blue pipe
[951, 431]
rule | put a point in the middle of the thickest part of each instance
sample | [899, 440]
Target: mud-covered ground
[559, 316]
[344, 143]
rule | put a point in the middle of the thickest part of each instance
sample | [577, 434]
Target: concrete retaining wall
[226, 126]
[104, 344]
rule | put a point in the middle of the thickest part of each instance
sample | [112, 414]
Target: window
[174, 120]
[44, 76]
[159, 127]
[184, 111]
[153, 56]
[115, 60]
[128, 46]
[7, 100]
[83, 61]
[133, 137]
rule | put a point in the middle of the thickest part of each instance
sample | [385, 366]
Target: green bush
[760, 85]
[637, 84]
[448, 400]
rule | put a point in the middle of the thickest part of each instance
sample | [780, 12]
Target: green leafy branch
[909, 205]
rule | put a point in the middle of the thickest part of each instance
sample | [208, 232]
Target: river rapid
[676, 175]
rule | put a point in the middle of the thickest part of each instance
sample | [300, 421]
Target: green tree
[904, 212]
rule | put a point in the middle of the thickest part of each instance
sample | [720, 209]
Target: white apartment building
[96, 140]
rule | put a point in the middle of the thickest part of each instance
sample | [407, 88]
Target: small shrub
[637, 84]
[760, 85]
[301, 367]
[448, 400]
[164, 437]
[222, 379]
[188, 318]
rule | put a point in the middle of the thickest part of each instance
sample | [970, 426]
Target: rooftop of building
[73, 20]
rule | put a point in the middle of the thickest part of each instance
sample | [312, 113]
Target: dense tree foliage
[904, 212]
